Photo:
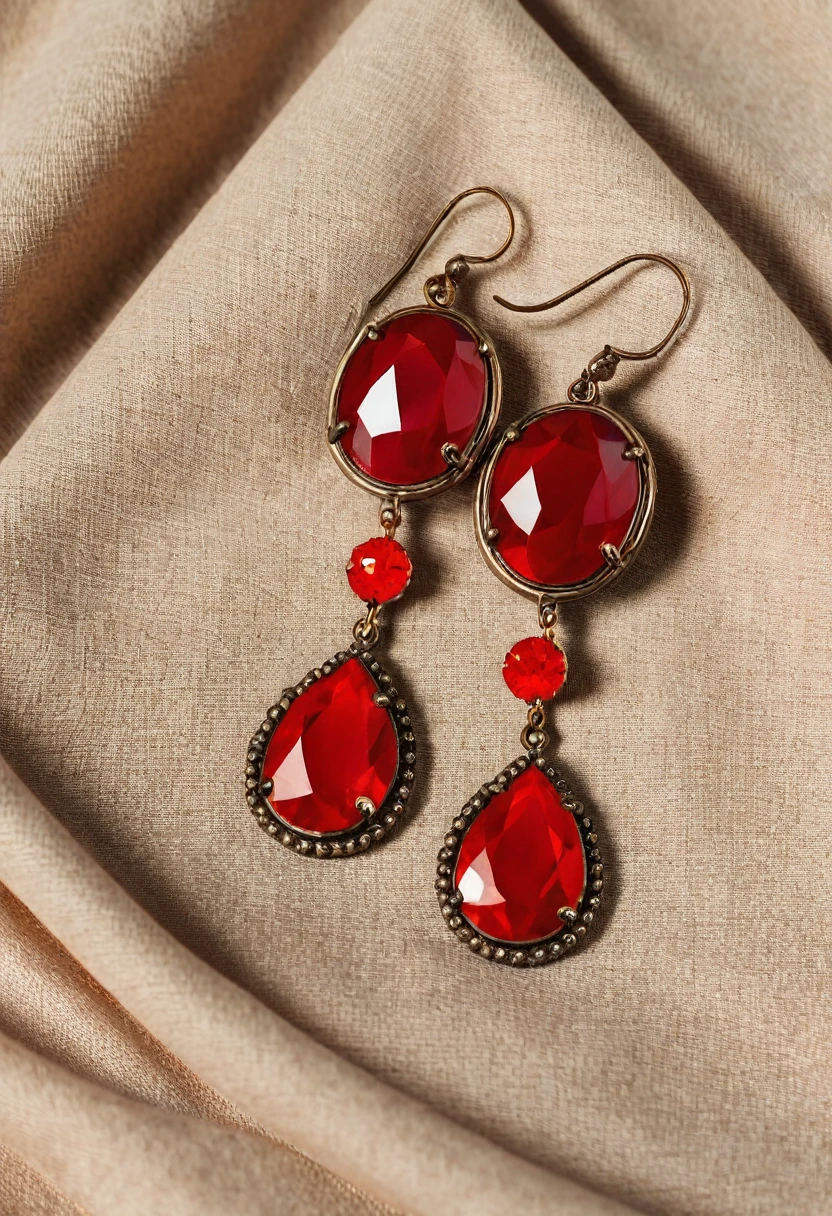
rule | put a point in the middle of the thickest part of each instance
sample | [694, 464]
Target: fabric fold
[261, 1071]
[172, 539]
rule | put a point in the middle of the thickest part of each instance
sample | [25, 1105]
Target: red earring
[563, 505]
[414, 403]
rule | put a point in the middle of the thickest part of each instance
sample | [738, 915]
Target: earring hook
[458, 266]
[602, 274]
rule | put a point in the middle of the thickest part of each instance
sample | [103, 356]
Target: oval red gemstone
[333, 746]
[379, 570]
[534, 668]
[560, 492]
[420, 385]
[520, 862]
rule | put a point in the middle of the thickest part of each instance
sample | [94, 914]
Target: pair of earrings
[564, 501]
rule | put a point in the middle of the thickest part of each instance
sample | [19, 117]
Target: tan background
[197, 198]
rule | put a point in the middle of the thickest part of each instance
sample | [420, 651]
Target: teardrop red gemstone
[420, 385]
[521, 860]
[333, 745]
[560, 492]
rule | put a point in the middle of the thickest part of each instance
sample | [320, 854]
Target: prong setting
[575, 920]
[377, 821]
[451, 455]
[335, 432]
[455, 470]
[635, 449]
[612, 555]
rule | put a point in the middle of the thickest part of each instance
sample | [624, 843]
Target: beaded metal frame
[546, 949]
[383, 818]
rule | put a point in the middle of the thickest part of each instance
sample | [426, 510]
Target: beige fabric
[194, 999]
[24, 1192]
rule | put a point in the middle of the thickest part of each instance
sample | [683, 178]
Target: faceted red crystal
[534, 668]
[333, 745]
[520, 862]
[560, 492]
[420, 385]
[379, 570]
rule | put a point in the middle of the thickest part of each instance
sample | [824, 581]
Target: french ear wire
[414, 403]
[564, 503]
[441, 289]
[603, 366]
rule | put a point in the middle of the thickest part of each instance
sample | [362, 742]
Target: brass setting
[576, 921]
[464, 462]
[612, 555]
[335, 432]
[450, 454]
[487, 534]
[440, 292]
[376, 822]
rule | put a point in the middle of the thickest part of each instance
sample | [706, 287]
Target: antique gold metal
[390, 516]
[534, 735]
[612, 554]
[585, 392]
[576, 921]
[366, 630]
[612, 560]
[440, 292]
[451, 454]
[547, 614]
[487, 534]
[376, 821]
[652, 351]
[456, 268]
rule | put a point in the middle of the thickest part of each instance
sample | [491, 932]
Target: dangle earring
[414, 402]
[563, 505]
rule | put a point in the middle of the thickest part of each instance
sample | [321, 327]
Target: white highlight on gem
[522, 502]
[477, 884]
[379, 411]
[291, 779]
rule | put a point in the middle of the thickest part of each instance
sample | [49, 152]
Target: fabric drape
[197, 198]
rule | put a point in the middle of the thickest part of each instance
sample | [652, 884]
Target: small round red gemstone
[534, 668]
[520, 862]
[422, 384]
[333, 746]
[560, 492]
[379, 570]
